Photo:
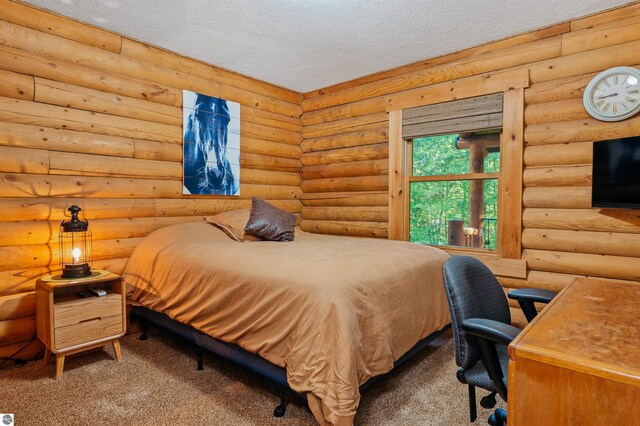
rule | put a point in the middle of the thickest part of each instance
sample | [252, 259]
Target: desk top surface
[592, 325]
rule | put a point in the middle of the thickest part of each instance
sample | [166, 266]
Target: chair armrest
[526, 297]
[532, 295]
[494, 331]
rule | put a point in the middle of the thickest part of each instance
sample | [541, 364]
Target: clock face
[613, 94]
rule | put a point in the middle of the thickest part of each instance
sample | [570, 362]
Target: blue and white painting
[211, 145]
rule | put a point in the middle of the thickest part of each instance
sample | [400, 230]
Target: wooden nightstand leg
[116, 349]
[47, 357]
[59, 366]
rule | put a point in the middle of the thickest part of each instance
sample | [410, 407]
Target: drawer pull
[90, 319]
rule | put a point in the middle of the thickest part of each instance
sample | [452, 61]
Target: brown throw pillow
[232, 222]
[269, 222]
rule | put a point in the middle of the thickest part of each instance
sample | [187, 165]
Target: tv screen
[616, 173]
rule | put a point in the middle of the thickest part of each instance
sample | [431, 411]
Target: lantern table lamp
[75, 246]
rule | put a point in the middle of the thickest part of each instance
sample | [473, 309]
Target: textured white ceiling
[309, 44]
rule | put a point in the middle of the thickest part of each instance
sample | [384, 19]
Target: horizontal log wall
[345, 147]
[89, 117]
[93, 118]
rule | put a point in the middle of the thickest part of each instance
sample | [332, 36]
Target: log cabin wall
[346, 147]
[93, 118]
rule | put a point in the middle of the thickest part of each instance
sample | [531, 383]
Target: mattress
[333, 311]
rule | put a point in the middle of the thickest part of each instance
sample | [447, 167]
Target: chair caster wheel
[488, 401]
[498, 418]
[280, 410]
[492, 420]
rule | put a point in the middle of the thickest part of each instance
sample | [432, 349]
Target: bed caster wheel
[143, 326]
[488, 401]
[280, 410]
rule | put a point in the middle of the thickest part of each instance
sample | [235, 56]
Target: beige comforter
[334, 311]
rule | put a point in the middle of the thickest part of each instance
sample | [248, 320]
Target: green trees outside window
[444, 207]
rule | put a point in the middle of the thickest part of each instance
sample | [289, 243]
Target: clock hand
[608, 96]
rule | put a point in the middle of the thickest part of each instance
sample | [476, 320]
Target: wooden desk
[578, 362]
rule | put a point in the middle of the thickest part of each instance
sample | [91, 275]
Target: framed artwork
[211, 145]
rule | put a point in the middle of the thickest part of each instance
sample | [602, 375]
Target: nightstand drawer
[75, 311]
[89, 330]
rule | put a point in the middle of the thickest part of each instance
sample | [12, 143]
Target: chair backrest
[472, 292]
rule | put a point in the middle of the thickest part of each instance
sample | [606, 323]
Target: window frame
[507, 259]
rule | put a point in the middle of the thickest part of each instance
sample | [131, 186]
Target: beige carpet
[157, 384]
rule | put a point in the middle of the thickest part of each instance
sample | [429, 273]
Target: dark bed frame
[273, 374]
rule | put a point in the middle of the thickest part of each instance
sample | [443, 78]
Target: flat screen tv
[616, 173]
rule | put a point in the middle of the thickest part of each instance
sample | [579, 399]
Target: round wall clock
[614, 94]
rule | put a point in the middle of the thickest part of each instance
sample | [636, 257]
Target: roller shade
[472, 114]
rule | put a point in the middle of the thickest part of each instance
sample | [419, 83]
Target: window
[503, 176]
[453, 189]
[452, 178]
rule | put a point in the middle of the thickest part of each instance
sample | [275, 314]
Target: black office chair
[482, 328]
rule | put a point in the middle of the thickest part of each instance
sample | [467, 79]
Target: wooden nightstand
[68, 323]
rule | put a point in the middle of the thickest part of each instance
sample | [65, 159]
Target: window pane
[438, 155]
[492, 162]
[450, 154]
[443, 213]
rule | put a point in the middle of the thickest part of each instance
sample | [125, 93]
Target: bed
[331, 312]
